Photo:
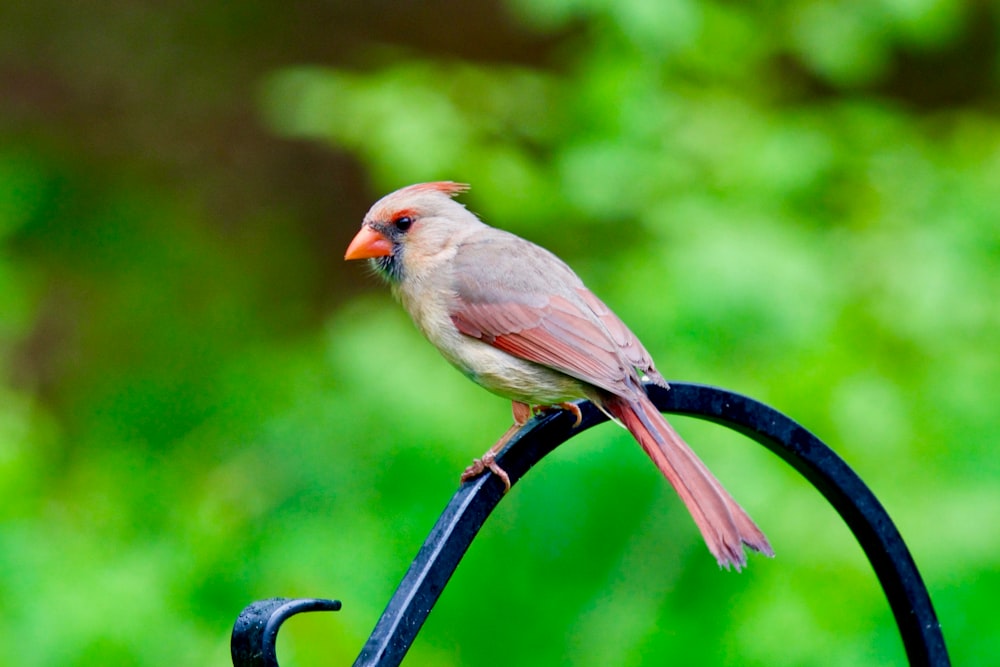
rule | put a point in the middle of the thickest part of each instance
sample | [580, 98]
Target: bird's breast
[430, 304]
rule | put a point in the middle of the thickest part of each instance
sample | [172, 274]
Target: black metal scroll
[256, 629]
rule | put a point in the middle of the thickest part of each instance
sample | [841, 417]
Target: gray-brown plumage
[517, 320]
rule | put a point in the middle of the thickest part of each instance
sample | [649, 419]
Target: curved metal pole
[472, 503]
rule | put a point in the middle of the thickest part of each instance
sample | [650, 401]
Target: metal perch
[256, 629]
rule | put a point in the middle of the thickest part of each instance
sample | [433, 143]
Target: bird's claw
[488, 462]
[569, 407]
[575, 409]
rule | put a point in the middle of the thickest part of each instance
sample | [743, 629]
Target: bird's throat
[389, 266]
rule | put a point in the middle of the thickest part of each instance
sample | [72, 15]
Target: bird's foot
[522, 413]
[488, 462]
[570, 407]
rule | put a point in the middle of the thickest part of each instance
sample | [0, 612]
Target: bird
[516, 319]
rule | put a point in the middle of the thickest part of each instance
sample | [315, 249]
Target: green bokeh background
[202, 405]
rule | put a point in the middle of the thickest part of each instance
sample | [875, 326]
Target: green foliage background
[201, 405]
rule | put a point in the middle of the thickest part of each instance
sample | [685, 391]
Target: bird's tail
[725, 526]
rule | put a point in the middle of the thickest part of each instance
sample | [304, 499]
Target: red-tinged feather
[563, 337]
[449, 188]
[538, 346]
[724, 525]
[400, 213]
[627, 342]
[414, 201]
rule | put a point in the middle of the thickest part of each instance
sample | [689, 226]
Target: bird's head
[417, 220]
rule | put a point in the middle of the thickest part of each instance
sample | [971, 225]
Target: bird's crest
[449, 188]
[404, 202]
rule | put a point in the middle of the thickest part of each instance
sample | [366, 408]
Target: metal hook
[255, 635]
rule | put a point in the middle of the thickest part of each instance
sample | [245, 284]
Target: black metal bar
[473, 502]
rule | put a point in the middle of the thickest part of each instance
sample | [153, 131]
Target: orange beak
[367, 244]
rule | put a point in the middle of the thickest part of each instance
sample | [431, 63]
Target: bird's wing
[629, 345]
[525, 301]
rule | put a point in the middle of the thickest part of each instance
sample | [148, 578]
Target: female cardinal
[515, 319]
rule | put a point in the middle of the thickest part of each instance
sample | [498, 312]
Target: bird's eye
[403, 222]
